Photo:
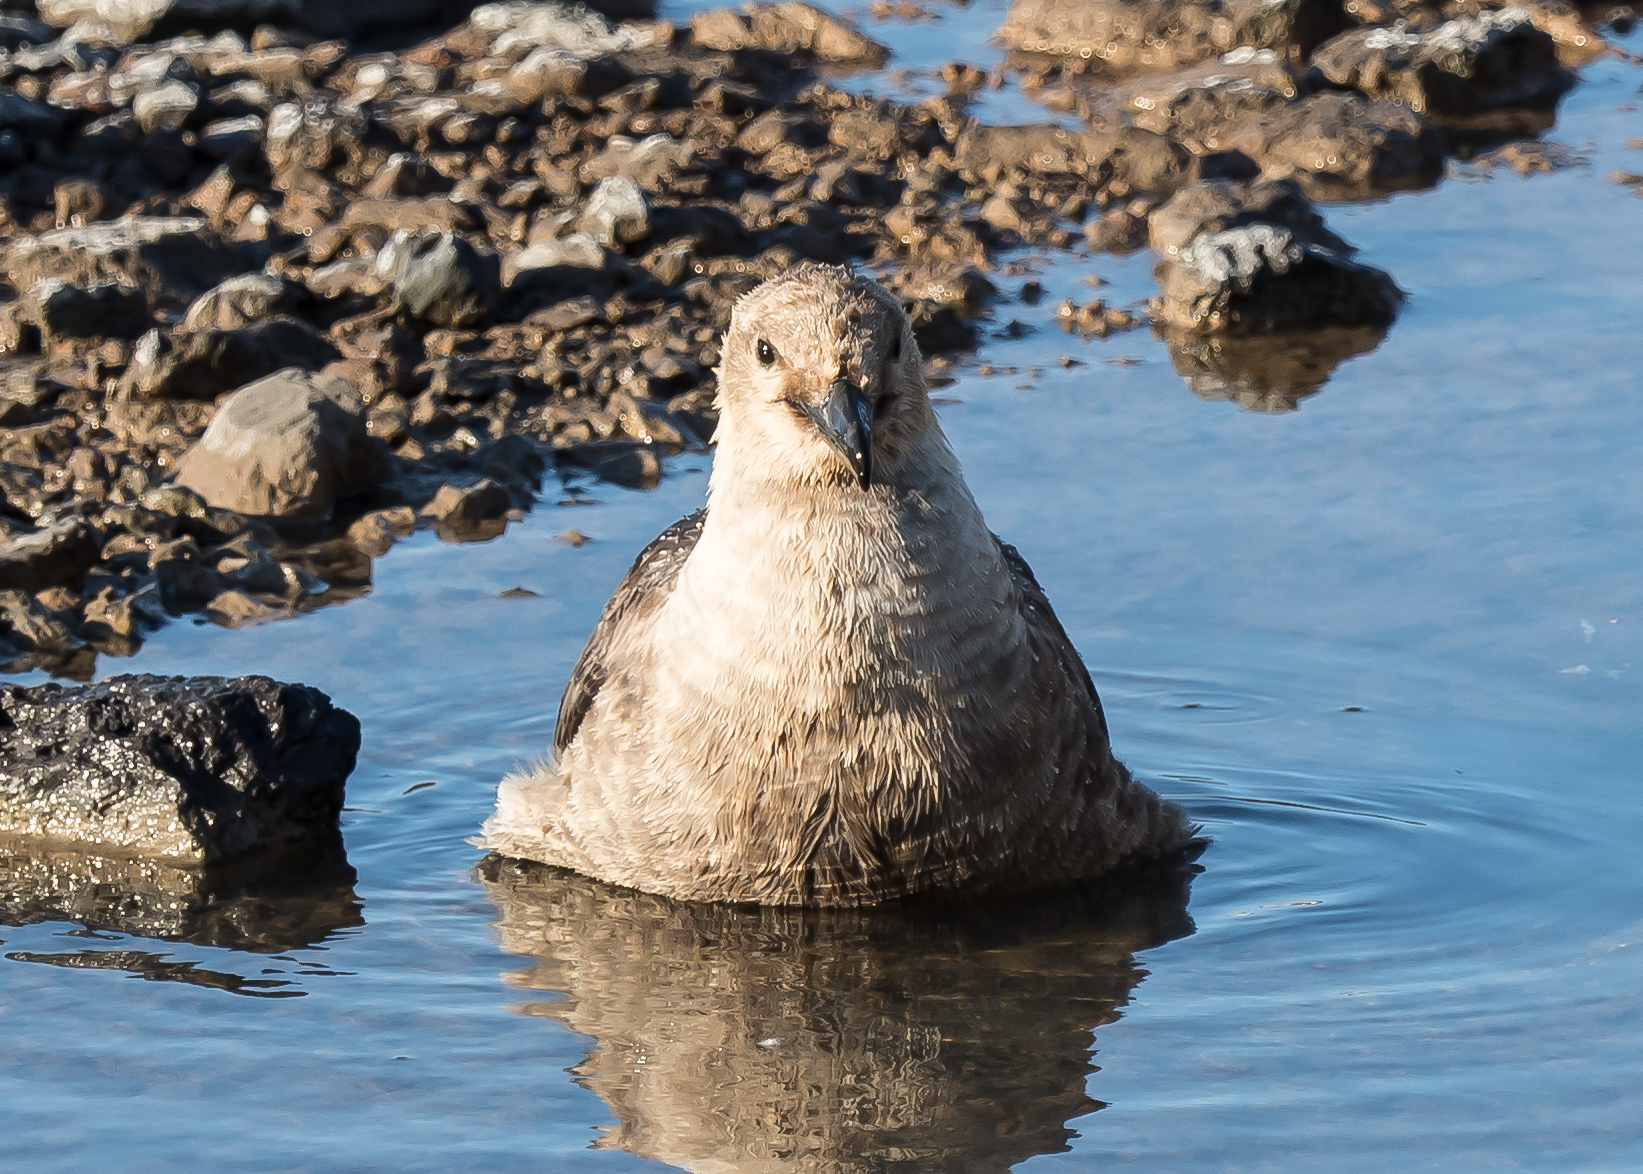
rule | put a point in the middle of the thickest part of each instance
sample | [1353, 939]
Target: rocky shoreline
[274, 298]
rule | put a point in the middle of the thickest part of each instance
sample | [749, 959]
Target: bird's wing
[648, 583]
[1046, 629]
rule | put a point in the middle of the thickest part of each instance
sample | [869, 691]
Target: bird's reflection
[1266, 372]
[732, 1038]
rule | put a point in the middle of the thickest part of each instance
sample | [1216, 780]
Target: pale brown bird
[834, 685]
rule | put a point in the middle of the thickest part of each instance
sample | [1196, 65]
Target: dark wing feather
[1041, 618]
[648, 583]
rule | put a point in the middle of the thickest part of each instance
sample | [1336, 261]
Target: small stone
[473, 503]
[617, 213]
[165, 107]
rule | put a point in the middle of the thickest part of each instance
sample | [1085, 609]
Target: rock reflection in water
[283, 901]
[732, 1038]
[1269, 372]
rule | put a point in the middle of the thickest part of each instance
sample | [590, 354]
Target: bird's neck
[837, 581]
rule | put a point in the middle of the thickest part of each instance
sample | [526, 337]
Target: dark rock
[1124, 35]
[472, 513]
[1217, 205]
[203, 364]
[626, 463]
[441, 278]
[200, 769]
[1259, 278]
[289, 446]
[1342, 146]
[58, 556]
[170, 258]
[1482, 62]
[107, 310]
[554, 271]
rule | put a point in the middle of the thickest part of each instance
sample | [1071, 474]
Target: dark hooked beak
[846, 419]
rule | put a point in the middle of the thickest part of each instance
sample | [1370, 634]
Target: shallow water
[1388, 649]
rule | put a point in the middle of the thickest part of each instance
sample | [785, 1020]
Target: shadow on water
[285, 900]
[737, 1038]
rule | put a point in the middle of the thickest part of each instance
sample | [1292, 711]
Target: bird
[833, 685]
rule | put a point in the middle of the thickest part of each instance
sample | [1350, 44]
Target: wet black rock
[287, 446]
[200, 769]
[1261, 278]
[1484, 62]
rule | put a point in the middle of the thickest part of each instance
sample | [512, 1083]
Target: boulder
[1260, 278]
[198, 769]
[170, 258]
[286, 446]
[1217, 205]
[203, 364]
[1485, 62]
[1343, 146]
[1125, 35]
[441, 278]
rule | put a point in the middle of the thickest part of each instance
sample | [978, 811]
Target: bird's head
[821, 380]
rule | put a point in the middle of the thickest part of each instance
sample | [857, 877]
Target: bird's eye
[766, 353]
[895, 350]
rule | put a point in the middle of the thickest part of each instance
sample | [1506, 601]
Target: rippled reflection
[731, 1038]
[1268, 372]
[286, 900]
